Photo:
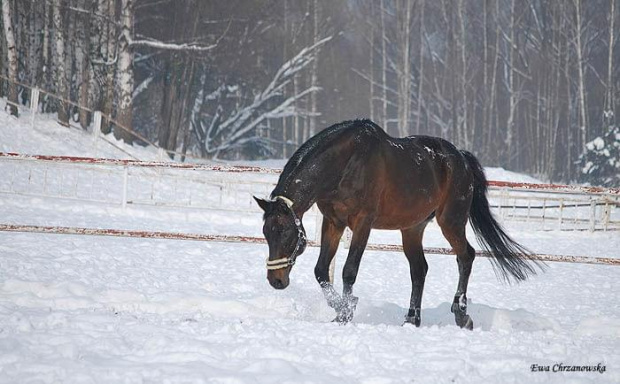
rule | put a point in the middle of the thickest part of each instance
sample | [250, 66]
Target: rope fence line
[259, 240]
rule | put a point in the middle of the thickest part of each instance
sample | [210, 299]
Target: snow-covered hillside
[80, 309]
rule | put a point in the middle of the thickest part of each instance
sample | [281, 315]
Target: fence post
[34, 104]
[125, 181]
[544, 213]
[97, 124]
[332, 269]
[348, 236]
[161, 153]
[607, 213]
[561, 218]
[96, 130]
[592, 215]
[318, 224]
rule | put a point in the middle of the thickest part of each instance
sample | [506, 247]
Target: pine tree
[600, 163]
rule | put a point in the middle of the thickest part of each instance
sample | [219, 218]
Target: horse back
[416, 175]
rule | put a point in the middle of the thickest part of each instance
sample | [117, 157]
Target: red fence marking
[142, 164]
[260, 240]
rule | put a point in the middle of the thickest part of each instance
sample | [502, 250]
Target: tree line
[523, 84]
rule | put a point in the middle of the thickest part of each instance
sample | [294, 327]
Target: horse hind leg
[412, 245]
[452, 225]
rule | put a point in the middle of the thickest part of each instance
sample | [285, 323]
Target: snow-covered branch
[142, 87]
[190, 47]
[225, 132]
[172, 46]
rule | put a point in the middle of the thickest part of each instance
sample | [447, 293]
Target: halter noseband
[289, 261]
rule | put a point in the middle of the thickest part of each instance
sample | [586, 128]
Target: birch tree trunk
[464, 142]
[43, 81]
[33, 54]
[493, 118]
[7, 22]
[421, 74]
[60, 58]
[511, 83]
[110, 66]
[285, 120]
[96, 56]
[371, 99]
[125, 74]
[384, 104]
[580, 65]
[85, 83]
[69, 25]
[485, 68]
[404, 83]
[610, 104]
[314, 77]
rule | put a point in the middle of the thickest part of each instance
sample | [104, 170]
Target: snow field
[83, 309]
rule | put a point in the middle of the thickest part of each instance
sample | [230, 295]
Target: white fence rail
[557, 210]
[201, 186]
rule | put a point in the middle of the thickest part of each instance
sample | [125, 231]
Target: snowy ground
[78, 309]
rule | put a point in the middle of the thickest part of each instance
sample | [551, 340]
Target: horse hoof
[469, 324]
[340, 321]
[343, 318]
[346, 310]
[465, 322]
[412, 320]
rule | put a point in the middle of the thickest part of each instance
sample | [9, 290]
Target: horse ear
[264, 204]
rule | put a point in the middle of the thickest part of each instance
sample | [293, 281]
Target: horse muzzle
[278, 278]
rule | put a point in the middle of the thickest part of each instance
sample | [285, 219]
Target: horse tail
[508, 257]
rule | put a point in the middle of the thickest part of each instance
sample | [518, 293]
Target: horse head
[286, 238]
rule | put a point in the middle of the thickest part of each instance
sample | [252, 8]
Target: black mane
[316, 144]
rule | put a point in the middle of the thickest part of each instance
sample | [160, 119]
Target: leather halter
[289, 261]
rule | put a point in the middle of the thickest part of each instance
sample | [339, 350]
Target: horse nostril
[277, 284]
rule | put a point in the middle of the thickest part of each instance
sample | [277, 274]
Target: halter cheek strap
[287, 201]
[289, 261]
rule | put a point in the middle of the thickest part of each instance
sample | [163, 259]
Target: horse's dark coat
[362, 178]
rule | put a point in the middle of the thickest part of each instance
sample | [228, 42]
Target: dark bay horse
[361, 178]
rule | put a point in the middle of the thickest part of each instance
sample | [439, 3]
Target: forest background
[529, 85]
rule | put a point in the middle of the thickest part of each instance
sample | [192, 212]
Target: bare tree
[11, 54]
[579, 31]
[60, 62]
[124, 73]
[110, 62]
[404, 19]
[609, 98]
[83, 62]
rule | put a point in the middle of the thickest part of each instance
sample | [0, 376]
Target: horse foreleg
[412, 244]
[331, 233]
[361, 231]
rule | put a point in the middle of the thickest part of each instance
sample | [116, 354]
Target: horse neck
[301, 189]
[315, 177]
